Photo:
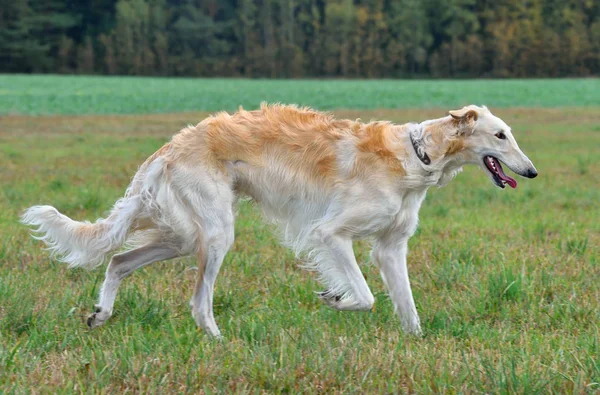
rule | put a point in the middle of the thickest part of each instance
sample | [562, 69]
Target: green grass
[39, 95]
[506, 282]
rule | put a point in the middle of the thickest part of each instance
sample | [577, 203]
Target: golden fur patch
[305, 142]
[303, 139]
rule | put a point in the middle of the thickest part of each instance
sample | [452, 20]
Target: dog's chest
[405, 217]
[379, 212]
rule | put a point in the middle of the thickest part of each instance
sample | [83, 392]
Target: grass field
[506, 282]
[74, 95]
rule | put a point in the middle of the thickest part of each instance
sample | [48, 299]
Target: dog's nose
[531, 173]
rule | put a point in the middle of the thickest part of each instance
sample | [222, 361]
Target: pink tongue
[509, 180]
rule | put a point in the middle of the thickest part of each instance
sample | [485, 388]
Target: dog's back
[294, 162]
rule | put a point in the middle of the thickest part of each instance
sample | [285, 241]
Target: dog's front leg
[390, 258]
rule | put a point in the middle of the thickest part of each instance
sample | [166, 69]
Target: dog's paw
[417, 332]
[339, 302]
[97, 318]
[413, 328]
[329, 297]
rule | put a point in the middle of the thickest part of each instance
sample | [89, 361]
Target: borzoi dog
[324, 181]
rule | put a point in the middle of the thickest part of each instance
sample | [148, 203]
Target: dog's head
[487, 141]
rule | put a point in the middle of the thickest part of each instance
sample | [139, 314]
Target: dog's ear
[465, 119]
[465, 114]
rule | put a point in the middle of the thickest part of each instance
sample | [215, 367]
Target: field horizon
[505, 281]
[77, 95]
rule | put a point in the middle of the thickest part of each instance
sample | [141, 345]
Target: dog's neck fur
[425, 148]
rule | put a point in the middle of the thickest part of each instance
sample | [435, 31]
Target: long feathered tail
[83, 244]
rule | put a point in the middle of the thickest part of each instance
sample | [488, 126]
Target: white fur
[190, 209]
[59, 232]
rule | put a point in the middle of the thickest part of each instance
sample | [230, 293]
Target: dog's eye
[501, 136]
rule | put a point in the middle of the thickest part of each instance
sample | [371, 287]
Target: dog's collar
[416, 143]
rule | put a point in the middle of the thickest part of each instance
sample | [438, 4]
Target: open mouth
[494, 166]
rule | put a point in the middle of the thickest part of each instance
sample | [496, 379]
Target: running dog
[324, 181]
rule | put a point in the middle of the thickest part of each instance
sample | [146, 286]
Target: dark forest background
[302, 38]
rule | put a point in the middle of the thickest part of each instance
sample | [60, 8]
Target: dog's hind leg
[216, 241]
[347, 288]
[121, 266]
[210, 259]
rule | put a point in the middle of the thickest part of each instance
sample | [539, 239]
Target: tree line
[302, 38]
